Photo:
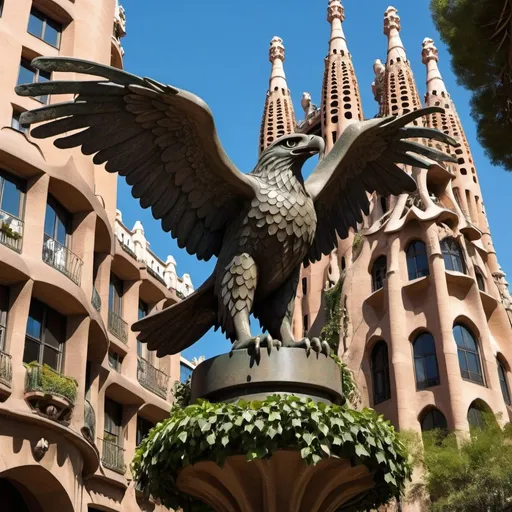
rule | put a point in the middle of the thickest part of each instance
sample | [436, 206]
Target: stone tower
[426, 312]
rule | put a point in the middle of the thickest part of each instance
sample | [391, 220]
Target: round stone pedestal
[235, 376]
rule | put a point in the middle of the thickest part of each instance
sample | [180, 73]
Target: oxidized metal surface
[262, 226]
[229, 377]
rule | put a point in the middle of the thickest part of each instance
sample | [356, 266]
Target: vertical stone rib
[278, 115]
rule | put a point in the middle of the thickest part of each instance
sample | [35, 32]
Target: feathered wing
[162, 139]
[364, 160]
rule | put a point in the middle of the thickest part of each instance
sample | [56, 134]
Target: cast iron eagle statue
[261, 226]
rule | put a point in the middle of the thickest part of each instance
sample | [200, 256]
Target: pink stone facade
[70, 287]
[426, 326]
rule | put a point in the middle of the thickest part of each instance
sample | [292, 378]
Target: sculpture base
[282, 483]
[235, 376]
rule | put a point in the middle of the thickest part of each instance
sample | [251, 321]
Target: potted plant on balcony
[9, 232]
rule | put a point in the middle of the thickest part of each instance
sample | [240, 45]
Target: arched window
[417, 262]
[476, 415]
[433, 419]
[480, 281]
[452, 255]
[379, 273]
[380, 373]
[505, 390]
[469, 356]
[425, 361]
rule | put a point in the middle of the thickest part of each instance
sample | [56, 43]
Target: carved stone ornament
[41, 448]
[261, 226]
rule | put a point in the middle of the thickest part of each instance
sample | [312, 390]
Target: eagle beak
[314, 146]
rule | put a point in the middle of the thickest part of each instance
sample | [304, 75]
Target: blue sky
[219, 51]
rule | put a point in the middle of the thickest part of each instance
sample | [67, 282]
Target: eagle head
[289, 152]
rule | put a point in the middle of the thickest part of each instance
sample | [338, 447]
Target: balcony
[152, 378]
[11, 231]
[157, 276]
[89, 429]
[5, 366]
[49, 392]
[118, 327]
[61, 258]
[128, 250]
[112, 455]
[96, 299]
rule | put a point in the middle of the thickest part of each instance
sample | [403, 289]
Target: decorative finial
[430, 52]
[276, 49]
[335, 11]
[391, 20]
[378, 85]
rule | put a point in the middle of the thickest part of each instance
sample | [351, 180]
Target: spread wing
[364, 160]
[162, 139]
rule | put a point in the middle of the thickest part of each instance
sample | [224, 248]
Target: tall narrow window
[480, 281]
[11, 211]
[417, 262]
[502, 374]
[141, 313]
[452, 255]
[143, 428]
[29, 75]
[44, 28]
[469, 355]
[113, 422]
[380, 373]
[115, 296]
[4, 306]
[433, 419]
[425, 361]
[476, 415]
[379, 273]
[57, 222]
[304, 286]
[185, 372]
[305, 325]
[45, 336]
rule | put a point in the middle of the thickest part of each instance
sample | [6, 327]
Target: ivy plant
[44, 378]
[213, 432]
[331, 330]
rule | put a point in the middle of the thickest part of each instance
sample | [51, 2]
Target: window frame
[428, 382]
[15, 122]
[431, 412]
[109, 421]
[42, 341]
[37, 73]
[188, 371]
[44, 19]
[304, 286]
[386, 395]
[142, 425]
[20, 185]
[451, 256]
[377, 278]
[62, 215]
[412, 259]
[117, 359]
[462, 350]
[504, 383]
[480, 280]
[115, 300]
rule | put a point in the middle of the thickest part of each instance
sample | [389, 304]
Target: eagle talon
[253, 345]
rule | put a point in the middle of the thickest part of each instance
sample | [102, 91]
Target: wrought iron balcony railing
[157, 276]
[61, 258]
[117, 326]
[11, 231]
[128, 250]
[5, 366]
[112, 456]
[96, 299]
[90, 420]
[152, 378]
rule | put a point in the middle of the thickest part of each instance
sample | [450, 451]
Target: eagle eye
[291, 143]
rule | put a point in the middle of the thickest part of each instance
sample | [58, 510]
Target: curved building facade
[425, 308]
[77, 392]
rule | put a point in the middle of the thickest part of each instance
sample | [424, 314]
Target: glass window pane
[447, 262]
[431, 368]
[473, 363]
[27, 74]
[52, 33]
[51, 357]
[49, 221]
[31, 352]
[457, 334]
[462, 360]
[420, 372]
[11, 198]
[422, 265]
[35, 320]
[61, 232]
[36, 23]
[55, 331]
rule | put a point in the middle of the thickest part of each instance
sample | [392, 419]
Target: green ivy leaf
[325, 449]
[323, 428]
[274, 416]
[211, 439]
[361, 451]
[182, 436]
[308, 438]
[296, 423]
[259, 424]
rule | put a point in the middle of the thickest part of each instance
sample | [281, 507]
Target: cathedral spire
[278, 116]
[341, 99]
[430, 57]
[400, 91]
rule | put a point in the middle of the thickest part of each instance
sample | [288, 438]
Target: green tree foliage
[478, 34]
[331, 330]
[471, 475]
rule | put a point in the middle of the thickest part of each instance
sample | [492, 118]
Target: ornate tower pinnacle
[336, 16]
[341, 100]
[278, 116]
[430, 57]
[400, 92]
[392, 27]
